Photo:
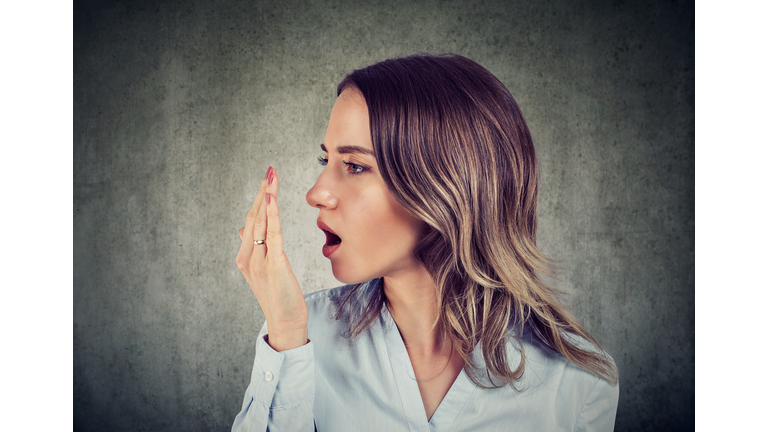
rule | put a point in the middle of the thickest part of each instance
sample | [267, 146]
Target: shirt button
[268, 376]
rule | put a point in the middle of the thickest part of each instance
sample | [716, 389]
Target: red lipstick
[332, 240]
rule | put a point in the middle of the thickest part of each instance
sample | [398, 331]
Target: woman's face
[377, 236]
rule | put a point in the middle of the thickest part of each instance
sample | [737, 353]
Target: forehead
[348, 125]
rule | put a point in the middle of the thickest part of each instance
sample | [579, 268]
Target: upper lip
[324, 227]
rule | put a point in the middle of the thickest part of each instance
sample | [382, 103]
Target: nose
[321, 195]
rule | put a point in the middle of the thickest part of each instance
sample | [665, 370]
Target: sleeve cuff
[283, 379]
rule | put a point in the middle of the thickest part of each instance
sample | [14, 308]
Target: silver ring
[258, 242]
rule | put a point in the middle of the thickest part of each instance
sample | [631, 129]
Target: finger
[272, 182]
[259, 232]
[274, 231]
[246, 246]
[250, 219]
[240, 231]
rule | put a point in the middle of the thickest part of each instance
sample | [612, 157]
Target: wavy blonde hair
[455, 151]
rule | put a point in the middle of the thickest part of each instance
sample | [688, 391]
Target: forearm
[281, 393]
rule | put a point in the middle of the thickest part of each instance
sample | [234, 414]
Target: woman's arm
[599, 412]
[280, 396]
[265, 266]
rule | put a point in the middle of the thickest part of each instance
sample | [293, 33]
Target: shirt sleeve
[599, 413]
[281, 394]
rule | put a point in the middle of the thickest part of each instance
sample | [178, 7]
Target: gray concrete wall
[180, 107]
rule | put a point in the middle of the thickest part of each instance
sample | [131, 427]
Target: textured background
[180, 107]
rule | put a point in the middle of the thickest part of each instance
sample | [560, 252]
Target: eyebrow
[349, 149]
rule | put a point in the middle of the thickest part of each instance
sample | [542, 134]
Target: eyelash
[352, 169]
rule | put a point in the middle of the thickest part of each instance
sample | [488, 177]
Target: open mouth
[331, 239]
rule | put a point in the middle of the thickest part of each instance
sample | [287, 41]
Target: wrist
[284, 341]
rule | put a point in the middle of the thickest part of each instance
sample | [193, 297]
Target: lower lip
[328, 250]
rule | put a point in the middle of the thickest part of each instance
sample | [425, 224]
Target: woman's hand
[268, 272]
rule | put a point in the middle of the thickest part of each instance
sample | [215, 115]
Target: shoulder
[322, 323]
[595, 398]
[584, 401]
[541, 358]
[325, 295]
[360, 294]
[542, 366]
[349, 297]
[336, 313]
[553, 393]
[321, 304]
[545, 370]
[579, 390]
[343, 305]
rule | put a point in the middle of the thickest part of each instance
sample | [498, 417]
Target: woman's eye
[353, 168]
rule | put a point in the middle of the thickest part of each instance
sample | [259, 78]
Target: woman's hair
[454, 150]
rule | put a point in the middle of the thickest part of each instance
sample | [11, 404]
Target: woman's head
[453, 149]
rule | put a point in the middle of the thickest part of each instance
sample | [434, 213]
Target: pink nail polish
[268, 198]
[270, 175]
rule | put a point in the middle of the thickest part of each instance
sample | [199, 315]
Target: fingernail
[270, 175]
[268, 195]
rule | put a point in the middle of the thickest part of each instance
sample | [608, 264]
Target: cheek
[387, 228]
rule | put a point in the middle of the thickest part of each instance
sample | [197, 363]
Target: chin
[348, 277]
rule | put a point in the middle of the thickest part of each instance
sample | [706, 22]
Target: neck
[412, 302]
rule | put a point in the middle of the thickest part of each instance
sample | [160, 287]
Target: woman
[428, 203]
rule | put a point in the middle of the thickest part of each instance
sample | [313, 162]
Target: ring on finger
[258, 242]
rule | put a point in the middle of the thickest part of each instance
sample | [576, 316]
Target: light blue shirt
[368, 385]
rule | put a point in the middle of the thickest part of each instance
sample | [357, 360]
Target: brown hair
[454, 150]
